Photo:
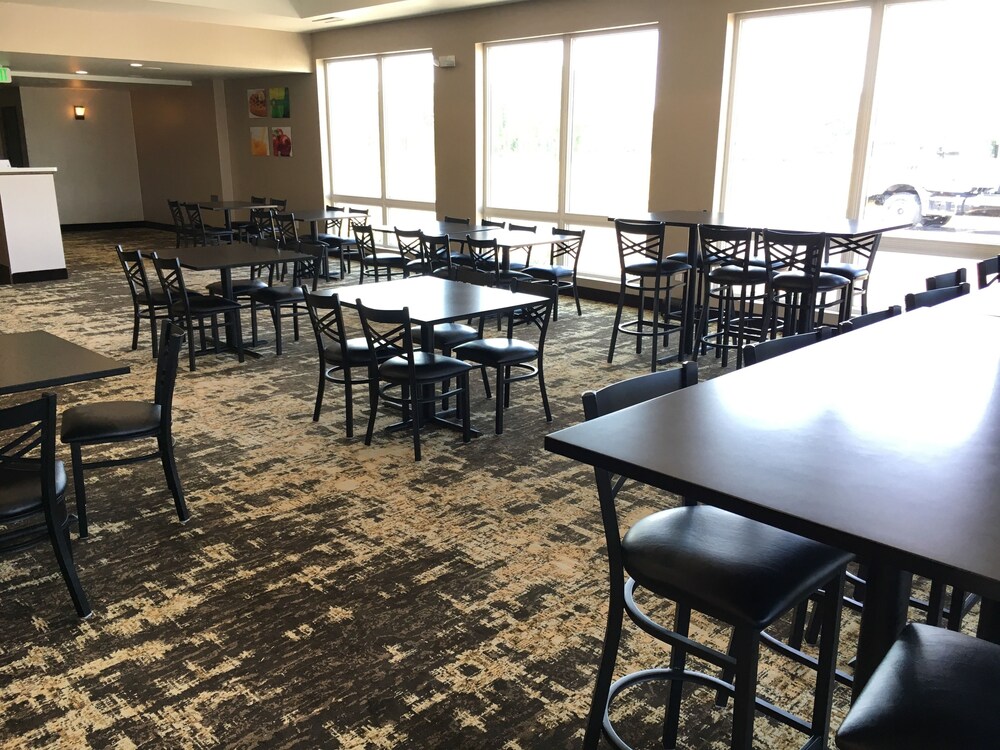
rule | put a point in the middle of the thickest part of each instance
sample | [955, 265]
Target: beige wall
[175, 135]
[297, 179]
[98, 177]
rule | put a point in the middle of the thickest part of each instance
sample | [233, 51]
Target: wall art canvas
[257, 103]
[281, 141]
[258, 142]
[281, 107]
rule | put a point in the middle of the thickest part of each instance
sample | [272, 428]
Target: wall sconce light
[80, 112]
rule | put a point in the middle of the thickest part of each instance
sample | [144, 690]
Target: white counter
[31, 246]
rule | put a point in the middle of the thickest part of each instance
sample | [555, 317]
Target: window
[568, 126]
[380, 123]
[886, 109]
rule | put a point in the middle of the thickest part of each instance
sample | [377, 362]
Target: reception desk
[31, 246]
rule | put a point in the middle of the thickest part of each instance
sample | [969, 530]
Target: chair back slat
[639, 239]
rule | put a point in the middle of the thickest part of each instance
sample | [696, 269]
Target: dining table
[432, 300]
[224, 258]
[507, 239]
[691, 220]
[875, 441]
[38, 359]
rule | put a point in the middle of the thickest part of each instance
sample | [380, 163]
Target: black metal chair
[988, 272]
[413, 371]
[240, 227]
[339, 356]
[761, 350]
[458, 241]
[201, 232]
[859, 248]
[147, 302]
[935, 296]
[187, 307]
[520, 265]
[342, 246]
[515, 359]
[934, 689]
[287, 229]
[126, 421]
[261, 226]
[943, 280]
[736, 283]
[564, 259]
[33, 489]
[409, 244]
[287, 300]
[182, 230]
[484, 254]
[646, 270]
[374, 260]
[868, 319]
[739, 571]
[796, 281]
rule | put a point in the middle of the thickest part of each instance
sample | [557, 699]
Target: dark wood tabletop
[236, 255]
[233, 205]
[829, 225]
[871, 441]
[38, 359]
[454, 230]
[432, 300]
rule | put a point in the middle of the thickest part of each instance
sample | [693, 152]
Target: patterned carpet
[326, 594]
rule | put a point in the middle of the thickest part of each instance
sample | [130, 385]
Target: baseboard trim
[105, 225]
[53, 274]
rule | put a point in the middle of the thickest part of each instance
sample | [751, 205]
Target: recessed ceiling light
[135, 65]
[81, 72]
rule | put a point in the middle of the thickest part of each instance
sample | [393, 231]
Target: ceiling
[296, 16]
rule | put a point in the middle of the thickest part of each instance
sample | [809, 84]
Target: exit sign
[4, 74]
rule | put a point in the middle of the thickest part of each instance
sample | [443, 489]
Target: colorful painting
[280, 105]
[281, 141]
[257, 103]
[259, 142]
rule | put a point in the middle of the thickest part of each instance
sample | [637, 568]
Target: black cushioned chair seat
[109, 420]
[739, 570]
[393, 260]
[796, 281]
[156, 296]
[240, 286]
[652, 268]
[449, 335]
[551, 272]
[429, 366]
[498, 351]
[847, 270]
[270, 295]
[737, 275]
[20, 491]
[357, 353]
[935, 689]
[203, 303]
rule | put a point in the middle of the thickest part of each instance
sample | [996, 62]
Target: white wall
[98, 177]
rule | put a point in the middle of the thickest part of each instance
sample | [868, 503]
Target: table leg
[228, 214]
[887, 595]
[989, 620]
[687, 346]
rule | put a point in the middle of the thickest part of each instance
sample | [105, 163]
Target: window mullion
[862, 132]
[381, 143]
[564, 131]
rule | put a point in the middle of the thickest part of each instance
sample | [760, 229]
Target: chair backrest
[327, 318]
[313, 266]
[485, 252]
[567, 250]
[635, 390]
[28, 442]
[988, 271]
[537, 313]
[453, 220]
[288, 231]
[491, 223]
[178, 215]
[942, 280]
[135, 275]
[434, 249]
[408, 242]
[258, 200]
[863, 247]
[639, 238]
[388, 331]
[523, 227]
[794, 251]
[761, 350]
[365, 238]
[171, 341]
[280, 203]
[935, 296]
[194, 219]
[333, 226]
[168, 271]
[357, 217]
[866, 320]
[262, 223]
[725, 246]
